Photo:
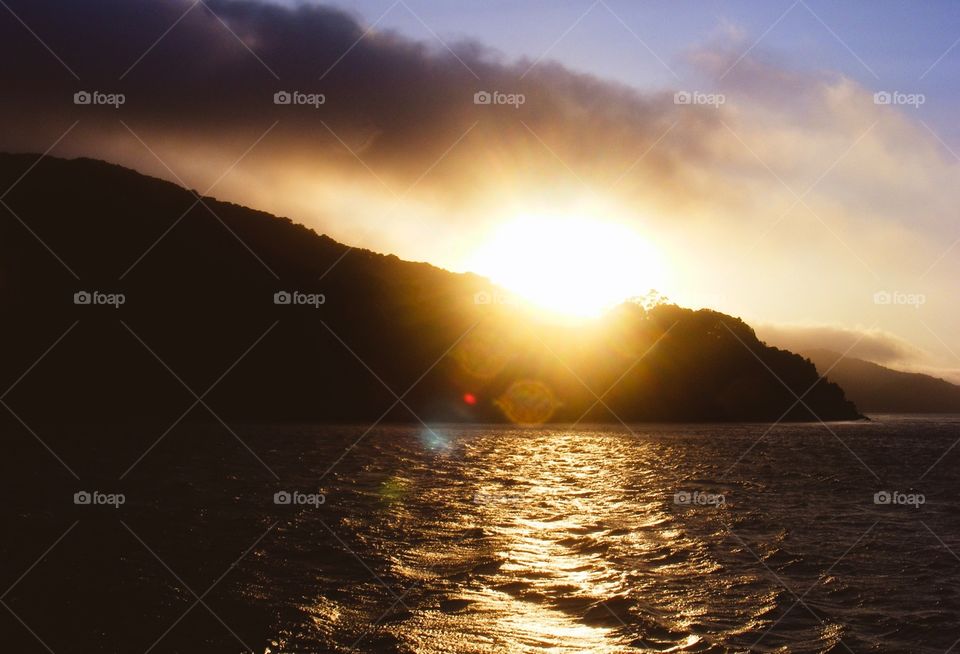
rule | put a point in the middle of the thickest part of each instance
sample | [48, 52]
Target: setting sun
[571, 265]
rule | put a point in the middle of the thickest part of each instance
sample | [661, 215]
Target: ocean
[641, 538]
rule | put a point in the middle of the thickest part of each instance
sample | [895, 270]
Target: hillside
[199, 281]
[875, 388]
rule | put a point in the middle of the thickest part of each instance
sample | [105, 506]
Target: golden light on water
[575, 263]
[545, 573]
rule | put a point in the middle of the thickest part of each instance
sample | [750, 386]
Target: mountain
[875, 388]
[159, 298]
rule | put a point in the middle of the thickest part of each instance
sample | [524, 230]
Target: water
[496, 539]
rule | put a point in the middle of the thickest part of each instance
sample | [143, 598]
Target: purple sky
[884, 44]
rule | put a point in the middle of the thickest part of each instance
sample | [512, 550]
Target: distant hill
[875, 388]
[199, 288]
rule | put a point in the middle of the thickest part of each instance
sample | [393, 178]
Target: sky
[740, 149]
[885, 45]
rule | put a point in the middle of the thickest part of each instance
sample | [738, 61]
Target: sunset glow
[573, 265]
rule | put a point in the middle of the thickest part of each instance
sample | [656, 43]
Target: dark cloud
[398, 103]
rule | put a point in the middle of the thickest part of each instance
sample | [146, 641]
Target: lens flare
[528, 402]
[435, 441]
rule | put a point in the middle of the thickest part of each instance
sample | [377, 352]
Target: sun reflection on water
[549, 511]
[565, 539]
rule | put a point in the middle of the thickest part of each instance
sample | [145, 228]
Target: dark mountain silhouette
[199, 280]
[876, 388]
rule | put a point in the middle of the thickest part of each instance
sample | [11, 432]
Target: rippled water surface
[691, 538]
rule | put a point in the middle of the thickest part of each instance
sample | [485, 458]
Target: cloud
[873, 345]
[398, 104]
[399, 119]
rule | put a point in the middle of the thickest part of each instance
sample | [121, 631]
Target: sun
[572, 265]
